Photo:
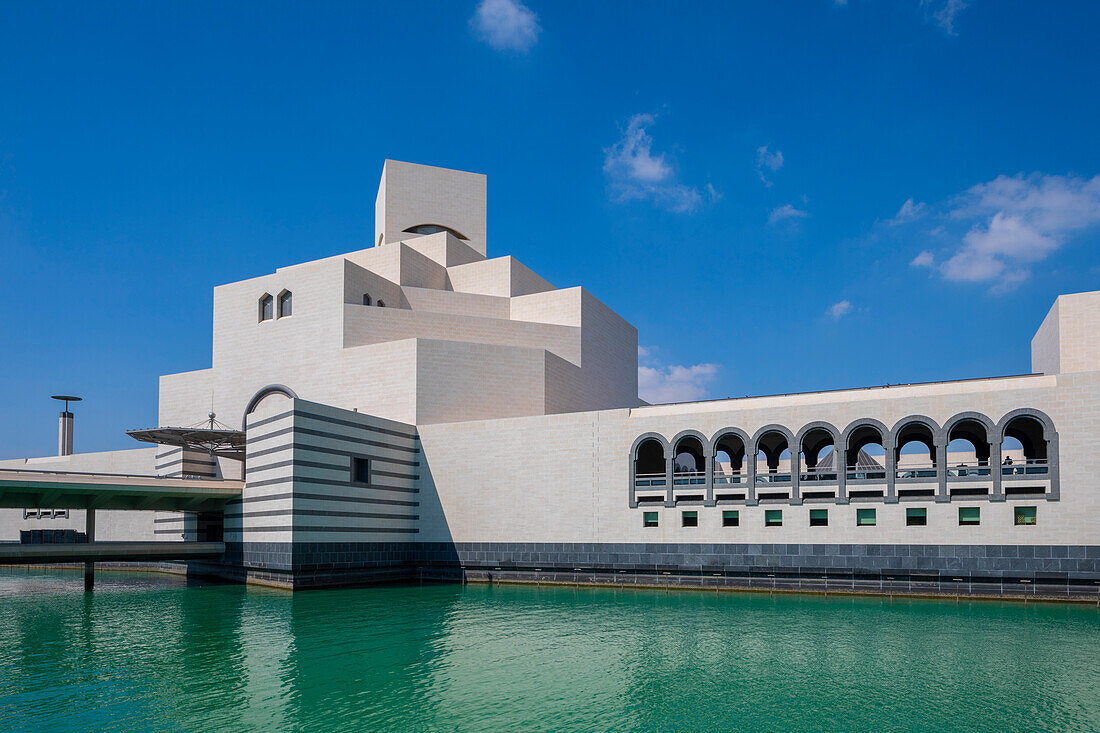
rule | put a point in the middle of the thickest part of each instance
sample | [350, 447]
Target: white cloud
[1004, 226]
[943, 12]
[786, 212]
[910, 211]
[924, 259]
[635, 172]
[506, 25]
[675, 383]
[770, 161]
[838, 310]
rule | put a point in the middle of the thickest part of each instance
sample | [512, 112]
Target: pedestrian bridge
[20, 488]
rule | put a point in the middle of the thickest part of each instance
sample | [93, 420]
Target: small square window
[773, 517]
[730, 518]
[865, 518]
[690, 519]
[1025, 515]
[819, 517]
[970, 515]
[360, 470]
[649, 519]
[916, 517]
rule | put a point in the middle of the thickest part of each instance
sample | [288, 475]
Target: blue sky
[780, 196]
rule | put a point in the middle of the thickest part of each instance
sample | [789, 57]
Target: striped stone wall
[176, 462]
[303, 512]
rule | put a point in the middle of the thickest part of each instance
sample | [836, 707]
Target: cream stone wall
[502, 276]
[411, 194]
[565, 478]
[1067, 341]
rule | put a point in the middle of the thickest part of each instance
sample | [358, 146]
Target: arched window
[285, 304]
[381, 303]
[267, 307]
[366, 299]
[433, 229]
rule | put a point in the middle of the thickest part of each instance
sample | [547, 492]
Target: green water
[149, 652]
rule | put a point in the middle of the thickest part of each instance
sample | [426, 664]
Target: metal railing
[1029, 468]
[689, 478]
[918, 471]
[643, 480]
[817, 474]
[773, 478]
[969, 470]
[855, 473]
[729, 479]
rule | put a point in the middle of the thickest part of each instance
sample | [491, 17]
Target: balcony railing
[1022, 470]
[917, 471]
[773, 478]
[969, 470]
[643, 480]
[817, 474]
[729, 479]
[689, 478]
[855, 473]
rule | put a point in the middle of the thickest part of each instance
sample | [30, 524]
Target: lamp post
[65, 425]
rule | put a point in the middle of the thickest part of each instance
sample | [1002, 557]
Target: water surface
[152, 652]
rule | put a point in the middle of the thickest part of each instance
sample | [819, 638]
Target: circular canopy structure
[210, 436]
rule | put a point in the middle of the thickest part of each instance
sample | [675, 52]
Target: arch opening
[818, 456]
[649, 467]
[773, 463]
[865, 454]
[968, 449]
[688, 462]
[918, 458]
[1024, 447]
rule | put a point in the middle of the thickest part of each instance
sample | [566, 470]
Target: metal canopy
[210, 436]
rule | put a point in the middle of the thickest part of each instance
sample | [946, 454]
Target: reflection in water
[156, 652]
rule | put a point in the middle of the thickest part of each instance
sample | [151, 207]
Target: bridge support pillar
[89, 567]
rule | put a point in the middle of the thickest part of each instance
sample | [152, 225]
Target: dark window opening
[819, 517]
[772, 495]
[818, 494]
[773, 517]
[969, 492]
[690, 519]
[916, 517]
[730, 519]
[366, 299]
[1024, 490]
[729, 497]
[285, 304]
[381, 303]
[360, 470]
[866, 517]
[649, 519]
[865, 494]
[916, 492]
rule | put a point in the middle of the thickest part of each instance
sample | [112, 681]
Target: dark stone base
[997, 571]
